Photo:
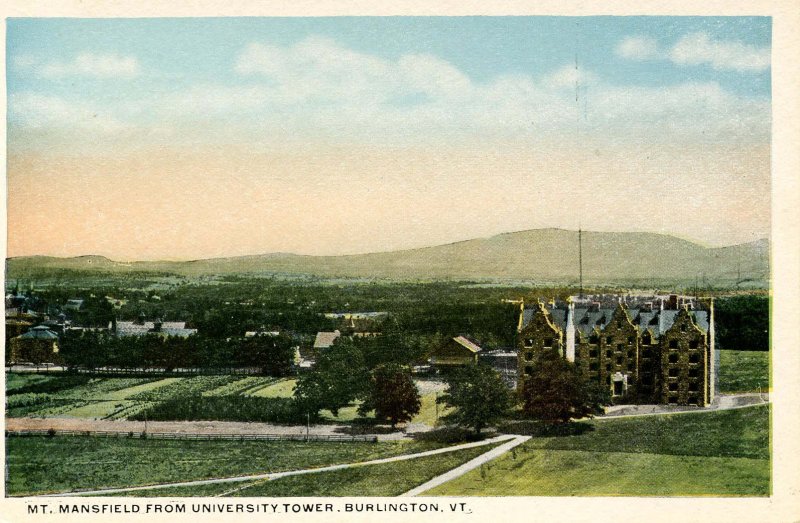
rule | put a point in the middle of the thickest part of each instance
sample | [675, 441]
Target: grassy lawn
[388, 479]
[281, 389]
[38, 465]
[743, 371]
[715, 453]
[428, 409]
[16, 381]
[537, 472]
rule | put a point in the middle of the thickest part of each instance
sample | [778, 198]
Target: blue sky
[182, 51]
[675, 110]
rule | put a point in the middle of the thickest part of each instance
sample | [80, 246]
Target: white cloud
[37, 111]
[93, 65]
[318, 89]
[638, 48]
[699, 48]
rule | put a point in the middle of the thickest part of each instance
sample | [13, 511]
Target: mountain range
[541, 256]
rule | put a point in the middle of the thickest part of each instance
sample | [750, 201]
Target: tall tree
[392, 394]
[555, 392]
[479, 395]
[338, 378]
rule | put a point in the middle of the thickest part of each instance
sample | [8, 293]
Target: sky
[204, 137]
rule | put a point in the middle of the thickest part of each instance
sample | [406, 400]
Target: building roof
[325, 339]
[170, 328]
[39, 333]
[467, 344]
[586, 319]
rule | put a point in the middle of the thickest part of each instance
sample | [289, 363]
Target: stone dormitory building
[658, 349]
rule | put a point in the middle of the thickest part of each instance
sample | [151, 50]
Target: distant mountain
[546, 256]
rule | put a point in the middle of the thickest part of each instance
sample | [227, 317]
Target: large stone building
[658, 349]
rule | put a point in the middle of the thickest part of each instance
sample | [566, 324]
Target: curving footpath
[276, 475]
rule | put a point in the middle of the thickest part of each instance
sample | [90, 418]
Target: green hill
[546, 256]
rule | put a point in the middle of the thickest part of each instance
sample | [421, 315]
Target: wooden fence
[194, 436]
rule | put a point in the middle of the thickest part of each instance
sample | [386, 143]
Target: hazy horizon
[454, 242]
[182, 139]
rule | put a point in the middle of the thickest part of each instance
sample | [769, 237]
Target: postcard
[352, 263]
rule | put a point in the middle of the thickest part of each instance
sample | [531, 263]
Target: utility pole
[580, 260]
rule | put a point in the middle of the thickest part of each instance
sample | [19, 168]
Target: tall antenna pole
[580, 260]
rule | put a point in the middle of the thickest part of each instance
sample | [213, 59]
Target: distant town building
[352, 322]
[38, 345]
[455, 352]
[325, 340]
[142, 328]
[658, 349]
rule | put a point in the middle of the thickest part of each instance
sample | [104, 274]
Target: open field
[743, 371]
[388, 479]
[39, 465]
[715, 453]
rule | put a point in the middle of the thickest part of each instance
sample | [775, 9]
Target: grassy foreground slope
[39, 465]
[386, 479]
[743, 371]
[722, 453]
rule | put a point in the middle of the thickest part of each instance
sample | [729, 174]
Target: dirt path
[183, 427]
[469, 465]
[276, 475]
[722, 402]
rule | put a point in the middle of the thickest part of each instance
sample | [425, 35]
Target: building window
[592, 353]
[694, 387]
[673, 344]
[630, 340]
[693, 373]
[619, 360]
[528, 370]
[609, 340]
[548, 342]
[673, 387]
[673, 358]
[630, 354]
[647, 353]
[594, 339]
[673, 400]
[683, 327]
[673, 373]
[694, 358]
[694, 344]
[619, 347]
[529, 342]
[608, 367]
[693, 400]
[631, 367]
[594, 366]
[646, 339]
[529, 356]
[609, 354]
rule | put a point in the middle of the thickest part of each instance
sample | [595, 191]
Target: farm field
[39, 464]
[222, 398]
[714, 453]
[743, 371]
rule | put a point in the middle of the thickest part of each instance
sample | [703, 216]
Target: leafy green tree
[274, 355]
[555, 392]
[742, 322]
[479, 395]
[392, 394]
[338, 378]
